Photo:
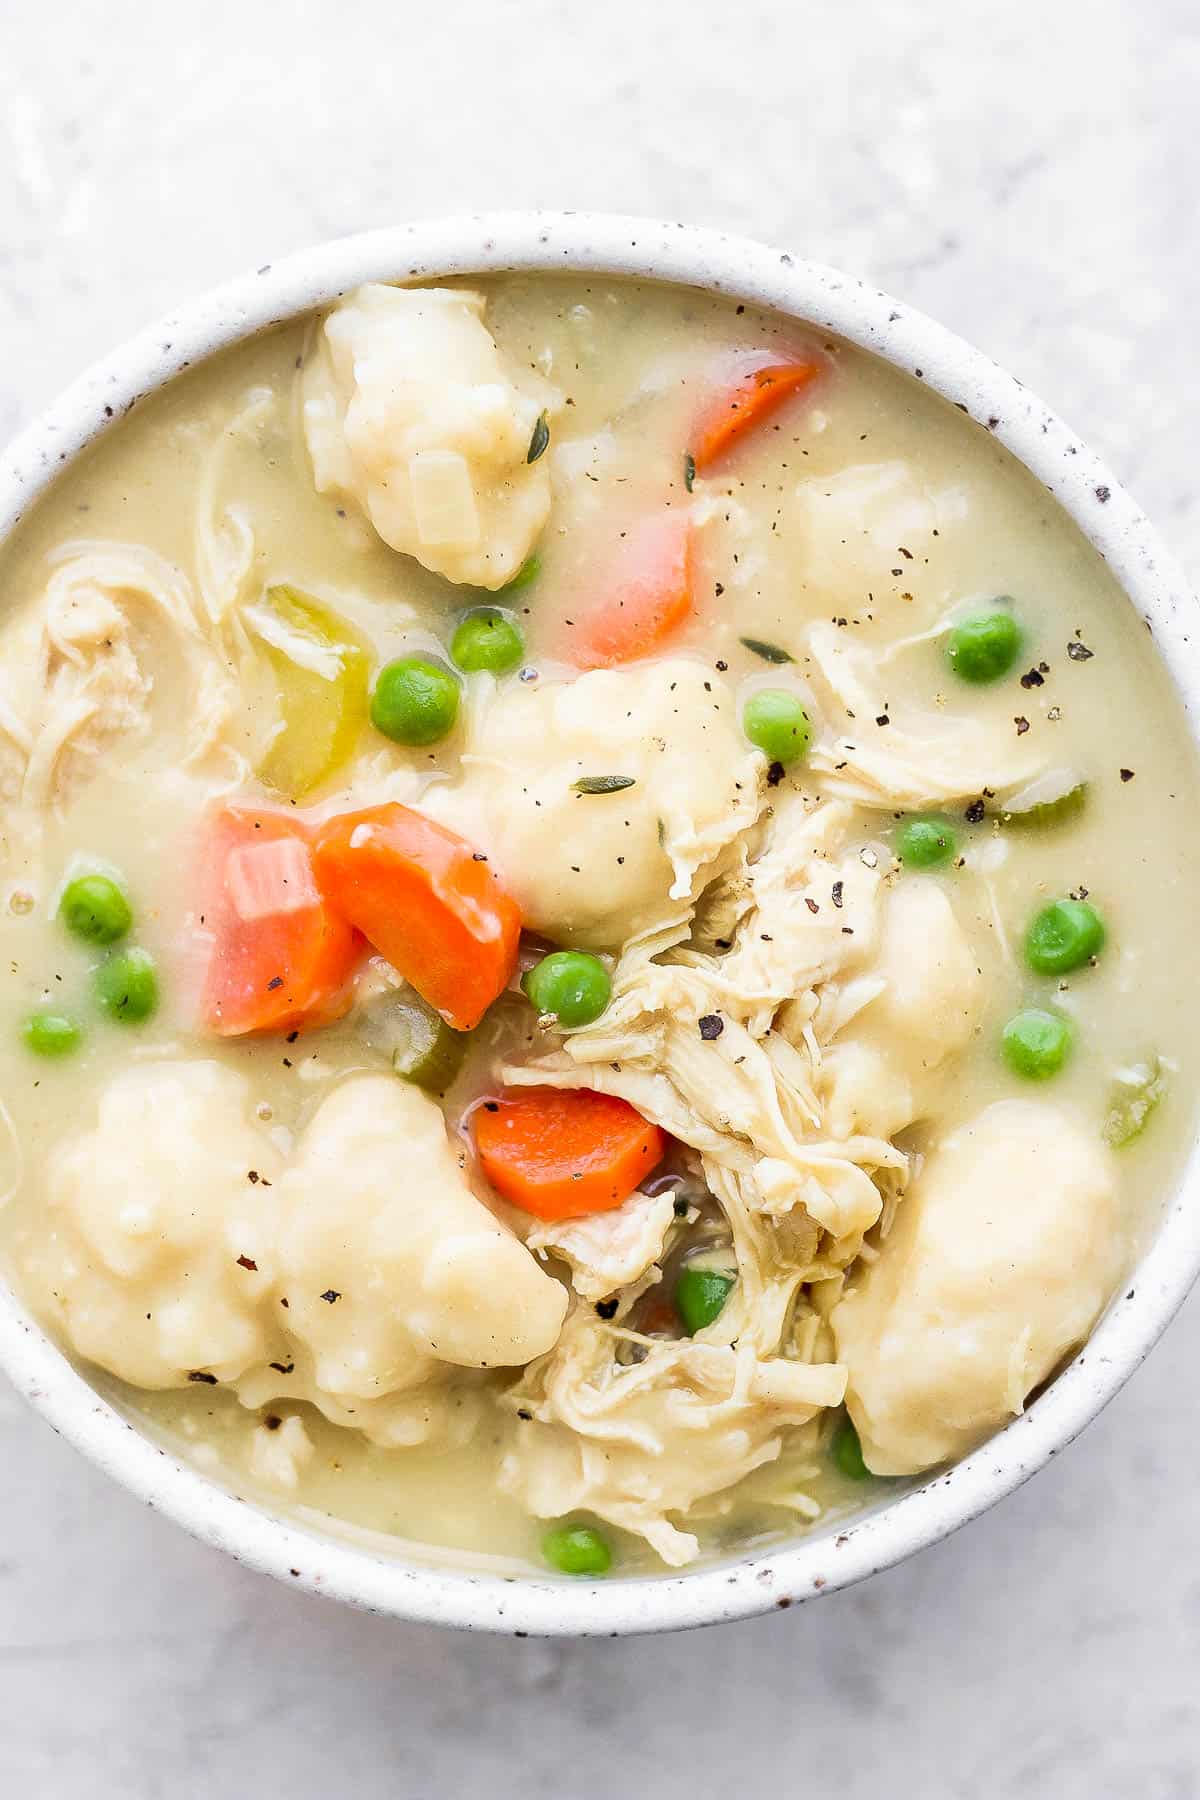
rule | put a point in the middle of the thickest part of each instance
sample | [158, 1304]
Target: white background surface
[1028, 173]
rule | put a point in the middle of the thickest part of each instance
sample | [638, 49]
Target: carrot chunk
[648, 595]
[427, 901]
[752, 388]
[560, 1153]
[279, 959]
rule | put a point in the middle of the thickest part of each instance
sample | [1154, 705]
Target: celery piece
[1048, 800]
[422, 1047]
[321, 672]
[1136, 1092]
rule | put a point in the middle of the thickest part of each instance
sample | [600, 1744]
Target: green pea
[577, 1550]
[414, 702]
[777, 724]
[700, 1296]
[51, 1034]
[528, 573]
[925, 843]
[127, 986]
[984, 648]
[1036, 1043]
[487, 639]
[1064, 935]
[575, 987]
[845, 1447]
[94, 908]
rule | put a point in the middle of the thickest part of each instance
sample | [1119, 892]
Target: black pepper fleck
[711, 1026]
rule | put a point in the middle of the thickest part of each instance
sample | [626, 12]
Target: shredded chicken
[79, 670]
[639, 1443]
[919, 758]
[610, 1251]
[748, 1057]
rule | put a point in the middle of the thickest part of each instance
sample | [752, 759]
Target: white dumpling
[179, 1246]
[926, 1000]
[376, 1210]
[155, 1251]
[1003, 1253]
[410, 409]
[870, 532]
[594, 869]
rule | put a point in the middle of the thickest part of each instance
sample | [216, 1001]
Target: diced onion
[267, 880]
[443, 499]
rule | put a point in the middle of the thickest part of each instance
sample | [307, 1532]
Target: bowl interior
[828, 1557]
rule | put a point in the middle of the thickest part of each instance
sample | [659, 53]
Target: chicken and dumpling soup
[594, 886]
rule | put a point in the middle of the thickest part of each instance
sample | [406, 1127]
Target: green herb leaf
[689, 471]
[769, 652]
[603, 784]
[540, 439]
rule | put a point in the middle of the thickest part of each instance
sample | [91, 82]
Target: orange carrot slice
[648, 595]
[560, 1153]
[280, 958]
[427, 901]
[753, 387]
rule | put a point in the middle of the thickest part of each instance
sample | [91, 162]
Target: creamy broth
[869, 511]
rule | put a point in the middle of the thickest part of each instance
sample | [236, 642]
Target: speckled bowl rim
[843, 1553]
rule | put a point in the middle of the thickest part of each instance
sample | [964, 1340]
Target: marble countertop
[1030, 175]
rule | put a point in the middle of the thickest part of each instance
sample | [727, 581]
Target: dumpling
[923, 997]
[180, 1247]
[594, 869]
[420, 1269]
[1003, 1253]
[870, 532]
[156, 1250]
[410, 409]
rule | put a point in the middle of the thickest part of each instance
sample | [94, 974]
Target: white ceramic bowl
[844, 1552]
